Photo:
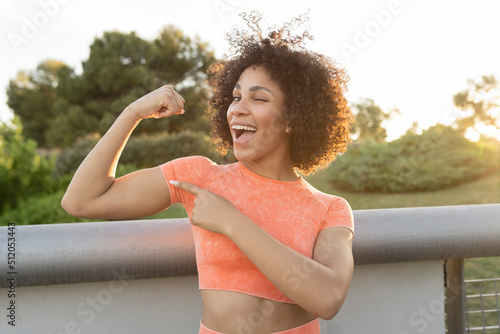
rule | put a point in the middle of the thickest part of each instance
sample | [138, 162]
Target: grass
[174, 211]
[482, 191]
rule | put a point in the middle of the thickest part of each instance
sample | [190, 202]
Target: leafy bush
[70, 158]
[23, 172]
[153, 150]
[142, 151]
[46, 209]
[39, 210]
[439, 158]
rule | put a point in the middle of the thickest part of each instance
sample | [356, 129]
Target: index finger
[189, 187]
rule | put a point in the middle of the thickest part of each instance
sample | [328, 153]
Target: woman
[273, 253]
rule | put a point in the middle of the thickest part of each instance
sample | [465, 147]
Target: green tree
[480, 102]
[369, 119]
[32, 95]
[57, 105]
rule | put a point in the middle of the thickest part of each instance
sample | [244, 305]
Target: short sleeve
[194, 169]
[339, 214]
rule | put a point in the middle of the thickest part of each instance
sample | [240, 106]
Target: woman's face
[256, 119]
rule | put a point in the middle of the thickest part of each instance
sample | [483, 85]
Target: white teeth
[243, 127]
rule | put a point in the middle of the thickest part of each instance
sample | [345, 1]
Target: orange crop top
[293, 212]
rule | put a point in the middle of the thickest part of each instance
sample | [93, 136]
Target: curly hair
[314, 88]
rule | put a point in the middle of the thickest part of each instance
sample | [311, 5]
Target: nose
[239, 109]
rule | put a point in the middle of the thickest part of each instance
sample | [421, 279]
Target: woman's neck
[279, 172]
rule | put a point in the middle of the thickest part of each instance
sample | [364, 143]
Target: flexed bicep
[138, 194]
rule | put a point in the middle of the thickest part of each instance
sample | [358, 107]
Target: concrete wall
[402, 298]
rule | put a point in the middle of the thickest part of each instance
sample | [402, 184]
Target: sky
[413, 55]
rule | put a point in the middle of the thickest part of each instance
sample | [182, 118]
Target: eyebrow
[255, 88]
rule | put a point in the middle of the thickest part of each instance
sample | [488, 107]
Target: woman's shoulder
[327, 199]
[196, 164]
[194, 159]
[190, 162]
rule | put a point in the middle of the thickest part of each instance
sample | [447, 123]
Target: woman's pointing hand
[211, 212]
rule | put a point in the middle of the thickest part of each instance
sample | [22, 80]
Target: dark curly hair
[313, 86]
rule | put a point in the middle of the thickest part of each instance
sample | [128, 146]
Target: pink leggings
[311, 327]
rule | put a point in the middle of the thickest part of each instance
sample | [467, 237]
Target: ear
[288, 127]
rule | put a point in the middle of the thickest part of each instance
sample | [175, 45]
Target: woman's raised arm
[95, 193]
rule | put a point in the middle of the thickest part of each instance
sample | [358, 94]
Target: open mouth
[243, 131]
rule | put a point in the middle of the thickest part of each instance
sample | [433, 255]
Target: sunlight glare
[474, 134]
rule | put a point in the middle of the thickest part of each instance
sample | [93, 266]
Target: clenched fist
[162, 102]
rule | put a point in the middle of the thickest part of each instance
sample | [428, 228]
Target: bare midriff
[235, 312]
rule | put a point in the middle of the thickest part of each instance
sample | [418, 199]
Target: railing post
[455, 296]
